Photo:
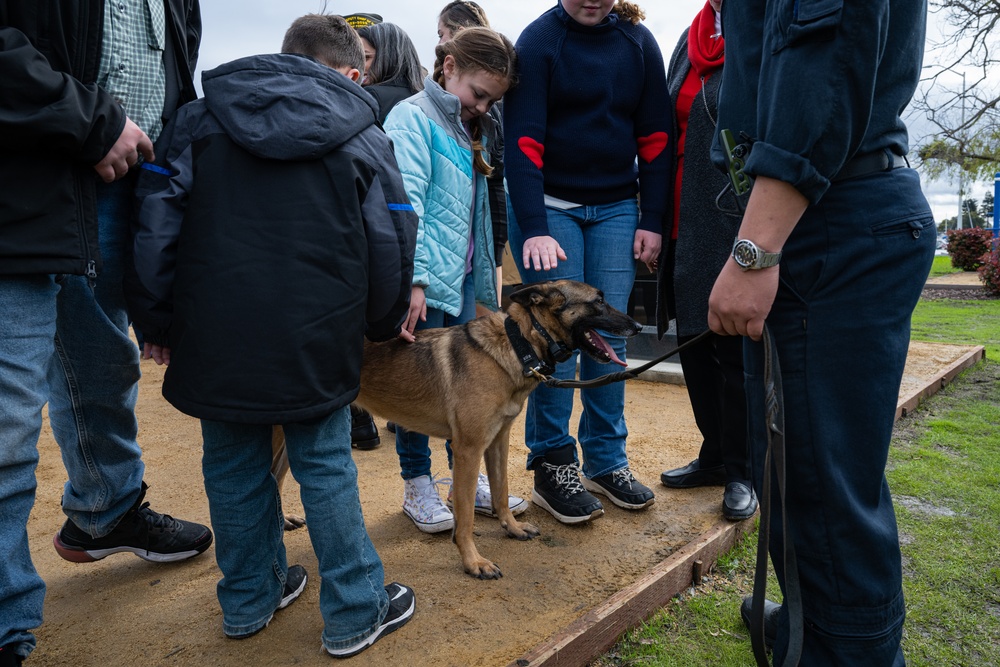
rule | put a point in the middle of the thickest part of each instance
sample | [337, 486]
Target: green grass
[942, 266]
[944, 471]
[945, 480]
[962, 322]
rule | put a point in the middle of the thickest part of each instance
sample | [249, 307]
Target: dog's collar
[532, 365]
[558, 351]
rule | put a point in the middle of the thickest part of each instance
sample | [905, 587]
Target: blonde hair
[629, 11]
[475, 50]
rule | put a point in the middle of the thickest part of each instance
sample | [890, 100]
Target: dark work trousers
[851, 274]
[713, 373]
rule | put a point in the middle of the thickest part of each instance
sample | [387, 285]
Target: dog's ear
[528, 295]
[536, 293]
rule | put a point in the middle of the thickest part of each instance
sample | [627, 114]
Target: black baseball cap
[362, 20]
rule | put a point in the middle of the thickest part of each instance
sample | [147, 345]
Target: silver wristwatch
[749, 256]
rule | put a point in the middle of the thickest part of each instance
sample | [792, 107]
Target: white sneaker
[423, 504]
[484, 501]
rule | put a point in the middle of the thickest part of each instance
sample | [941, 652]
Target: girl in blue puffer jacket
[441, 136]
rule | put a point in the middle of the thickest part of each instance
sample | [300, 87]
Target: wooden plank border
[597, 631]
[907, 404]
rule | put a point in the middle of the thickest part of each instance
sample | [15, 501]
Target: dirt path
[125, 611]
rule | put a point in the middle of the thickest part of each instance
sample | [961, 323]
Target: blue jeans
[851, 274]
[94, 381]
[598, 244]
[63, 340]
[245, 507]
[27, 330]
[414, 448]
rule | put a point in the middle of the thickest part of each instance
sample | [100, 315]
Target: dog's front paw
[522, 530]
[483, 569]
[293, 521]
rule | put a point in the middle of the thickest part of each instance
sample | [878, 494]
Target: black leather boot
[364, 435]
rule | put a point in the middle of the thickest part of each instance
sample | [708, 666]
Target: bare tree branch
[964, 117]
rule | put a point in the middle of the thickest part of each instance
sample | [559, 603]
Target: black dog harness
[532, 365]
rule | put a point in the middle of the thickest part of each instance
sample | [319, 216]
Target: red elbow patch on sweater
[650, 147]
[534, 150]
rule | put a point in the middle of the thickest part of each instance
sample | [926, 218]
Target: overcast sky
[232, 29]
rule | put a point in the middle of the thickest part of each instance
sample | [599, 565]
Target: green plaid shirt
[132, 69]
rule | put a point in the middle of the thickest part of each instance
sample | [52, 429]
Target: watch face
[745, 254]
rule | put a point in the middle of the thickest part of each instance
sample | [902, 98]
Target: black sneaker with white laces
[402, 603]
[146, 533]
[622, 488]
[559, 491]
[295, 582]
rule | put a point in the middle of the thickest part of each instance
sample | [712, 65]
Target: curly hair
[629, 11]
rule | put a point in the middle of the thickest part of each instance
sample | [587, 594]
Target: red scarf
[706, 56]
[704, 51]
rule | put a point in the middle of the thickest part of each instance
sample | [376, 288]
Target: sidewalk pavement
[962, 279]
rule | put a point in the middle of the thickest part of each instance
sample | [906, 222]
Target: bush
[967, 247]
[989, 272]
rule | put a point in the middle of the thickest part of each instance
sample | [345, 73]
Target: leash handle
[629, 374]
[775, 454]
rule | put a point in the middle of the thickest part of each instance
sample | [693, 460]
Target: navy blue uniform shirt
[816, 82]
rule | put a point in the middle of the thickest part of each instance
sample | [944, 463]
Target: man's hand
[125, 153]
[542, 251]
[158, 353]
[741, 300]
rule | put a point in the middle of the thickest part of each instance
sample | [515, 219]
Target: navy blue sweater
[589, 102]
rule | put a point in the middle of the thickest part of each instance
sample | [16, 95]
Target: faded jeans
[245, 506]
[598, 244]
[63, 340]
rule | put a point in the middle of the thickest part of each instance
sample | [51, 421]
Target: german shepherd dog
[467, 383]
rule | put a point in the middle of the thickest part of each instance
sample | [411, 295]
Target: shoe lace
[483, 485]
[566, 476]
[438, 482]
[156, 521]
[623, 477]
[427, 499]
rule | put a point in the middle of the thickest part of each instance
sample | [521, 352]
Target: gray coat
[705, 235]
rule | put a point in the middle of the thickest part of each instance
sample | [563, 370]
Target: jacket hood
[287, 107]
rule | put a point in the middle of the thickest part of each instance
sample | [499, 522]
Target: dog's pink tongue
[615, 359]
[599, 342]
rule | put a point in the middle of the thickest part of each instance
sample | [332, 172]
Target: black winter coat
[56, 123]
[705, 235]
[281, 239]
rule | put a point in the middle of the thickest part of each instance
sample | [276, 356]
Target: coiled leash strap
[629, 374]
[775, 416]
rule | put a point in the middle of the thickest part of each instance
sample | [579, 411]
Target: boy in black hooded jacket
[277, 229]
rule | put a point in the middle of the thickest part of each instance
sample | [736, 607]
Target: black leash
[775, 415]
[629, 374]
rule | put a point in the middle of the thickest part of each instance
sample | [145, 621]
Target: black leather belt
[870, 163]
